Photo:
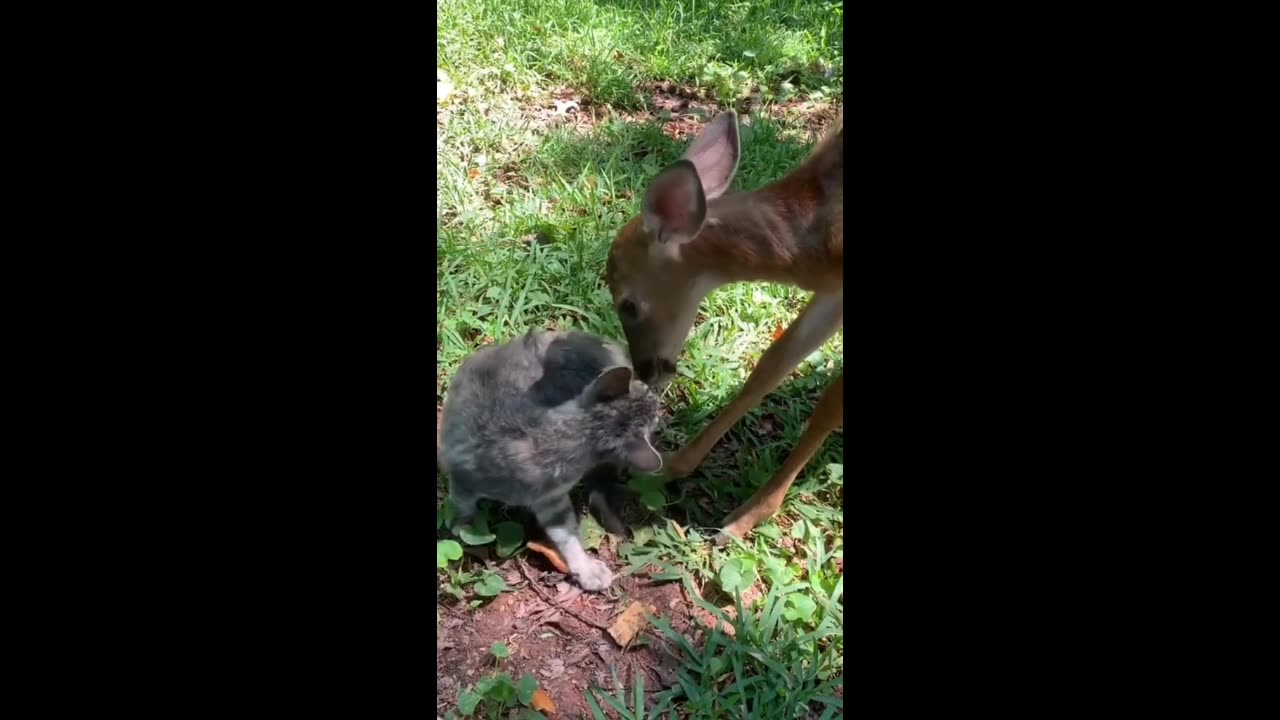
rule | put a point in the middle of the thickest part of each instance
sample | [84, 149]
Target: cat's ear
[611, 385]
[642, 456]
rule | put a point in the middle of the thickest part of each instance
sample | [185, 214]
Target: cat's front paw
[595, 576]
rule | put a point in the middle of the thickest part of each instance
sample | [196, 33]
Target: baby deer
[692, 237]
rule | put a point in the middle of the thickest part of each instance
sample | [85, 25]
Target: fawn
[692, 237]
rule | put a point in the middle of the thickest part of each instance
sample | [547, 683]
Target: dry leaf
[542, 701]
[473, 173]
[628, 624]
[676, 526]
[550, 554]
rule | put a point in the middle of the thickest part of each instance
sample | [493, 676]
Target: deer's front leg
[827, 416]
[820, 319]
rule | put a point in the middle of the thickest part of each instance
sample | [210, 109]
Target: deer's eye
[627, 309]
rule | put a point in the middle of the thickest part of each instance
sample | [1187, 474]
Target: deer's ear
[715, 154]
[610, 385]
[675, 205]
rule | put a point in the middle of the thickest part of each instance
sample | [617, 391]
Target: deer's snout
[655, 370]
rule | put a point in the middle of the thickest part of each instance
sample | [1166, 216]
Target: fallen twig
[550, 601]
[583, 655]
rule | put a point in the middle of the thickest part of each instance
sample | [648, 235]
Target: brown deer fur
[692, 237]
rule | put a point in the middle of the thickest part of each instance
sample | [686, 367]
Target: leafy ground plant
[627, 707]
[493, 696]
[769, 669]
[456, 582]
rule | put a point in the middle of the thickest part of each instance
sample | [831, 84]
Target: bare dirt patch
[681, 110]
[550, 642]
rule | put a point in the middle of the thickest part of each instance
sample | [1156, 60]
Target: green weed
[769, 669]
[492, 696]
[484, 584]
[607, 48]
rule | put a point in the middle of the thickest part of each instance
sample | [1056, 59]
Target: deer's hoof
[676, 466]
[723, 538]
[738, 525]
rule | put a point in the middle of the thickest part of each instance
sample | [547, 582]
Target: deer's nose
[647, 369]
[654, 369]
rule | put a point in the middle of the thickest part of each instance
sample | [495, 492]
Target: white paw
[594, 576]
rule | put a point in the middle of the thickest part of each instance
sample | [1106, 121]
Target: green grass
[607, 48]
[526, 210]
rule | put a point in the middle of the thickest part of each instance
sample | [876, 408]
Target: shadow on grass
[625, 155]
[539, 260]
[770, 40]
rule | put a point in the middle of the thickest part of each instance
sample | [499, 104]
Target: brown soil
[681, 110]
[563, 652]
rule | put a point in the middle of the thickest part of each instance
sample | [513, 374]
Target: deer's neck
[777, 233]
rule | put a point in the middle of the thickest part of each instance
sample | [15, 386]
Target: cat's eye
[627, 309]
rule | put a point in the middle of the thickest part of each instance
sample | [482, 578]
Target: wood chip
[629, 623]
[550, 554]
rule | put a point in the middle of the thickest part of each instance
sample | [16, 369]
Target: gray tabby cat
[524, 421]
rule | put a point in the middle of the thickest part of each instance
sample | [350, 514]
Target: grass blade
[639, 694]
